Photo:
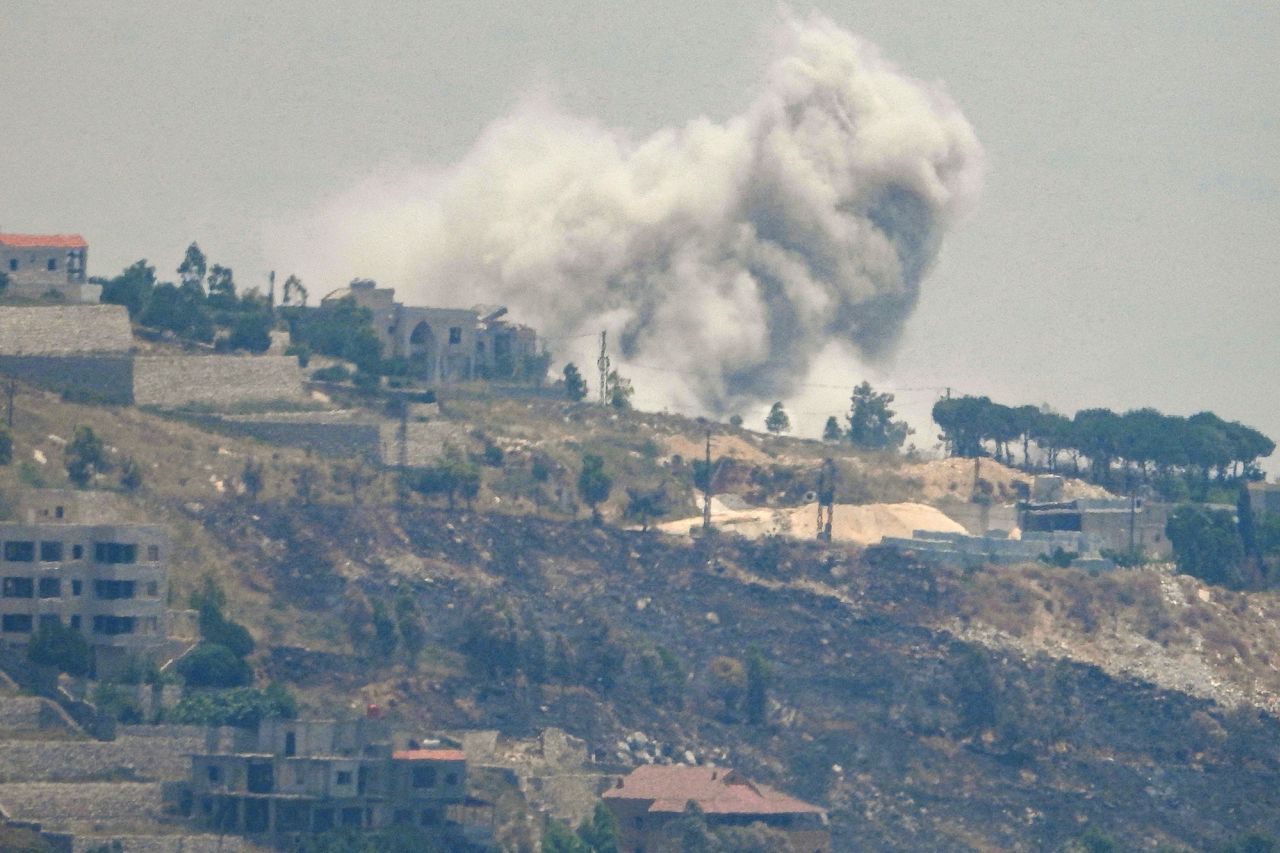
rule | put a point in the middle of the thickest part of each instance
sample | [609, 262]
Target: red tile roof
[716, 790]
[41, 241]
[430, 755]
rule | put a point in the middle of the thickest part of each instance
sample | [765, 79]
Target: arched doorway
[422, 351]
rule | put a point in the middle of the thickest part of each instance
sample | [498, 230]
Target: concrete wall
[216, 381]
[64, 330]
[101, 378]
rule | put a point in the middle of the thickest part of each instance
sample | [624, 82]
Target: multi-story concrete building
[646, 801]
[61, 564]
[1116, 524]
[319, 775]
[443, 344]
[39, 265]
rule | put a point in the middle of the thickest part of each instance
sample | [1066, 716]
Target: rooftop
[41, 241]
[716, 790]
[429, 755]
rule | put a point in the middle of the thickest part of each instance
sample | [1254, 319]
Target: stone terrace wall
[64, 805]
[327, 433]
[425, 442]
[133, 758]
[64, 330]
[99, 378]
[161, 843]
[215, 381]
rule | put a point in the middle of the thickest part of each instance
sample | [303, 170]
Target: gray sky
[1122, 253]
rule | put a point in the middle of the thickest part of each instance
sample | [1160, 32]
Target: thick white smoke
[729, 253]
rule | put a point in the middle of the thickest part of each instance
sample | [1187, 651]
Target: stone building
[40, 265]
[443, 344]
[1115, 524]
[646, 801]
[62, 564]
[318, 775]
[1264, 498]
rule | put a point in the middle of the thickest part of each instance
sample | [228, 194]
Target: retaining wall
[64, 329]
[104, 378]
[215, 381]
[318, 432]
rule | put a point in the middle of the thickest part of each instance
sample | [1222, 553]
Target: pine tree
[777, 422]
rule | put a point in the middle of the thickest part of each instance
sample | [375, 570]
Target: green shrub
[332, 373]
[212, 665]
[59, 646]
[243, 707]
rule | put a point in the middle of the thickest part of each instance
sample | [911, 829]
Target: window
[51, 552]
[455, 334]
[59, 512]
[451, 778]
[13, 265]
[53, 264]
[343, 777]
[16, 623]
[77, 552]
[113, 590]
[290, 744]
[50, 587]
[18, 588]
[76, 587]
[153, 589]
[153, 553]
[75, 622]
[115, 553]
[351, 817]
[113, 625]
[299, 774]
[20, 552]
[215, 773]
[424, 777]
[49, 620]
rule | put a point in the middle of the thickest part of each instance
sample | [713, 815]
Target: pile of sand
[864, 524]
[955, 477]
[721, 445]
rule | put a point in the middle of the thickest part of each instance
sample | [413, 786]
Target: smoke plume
[728, 253]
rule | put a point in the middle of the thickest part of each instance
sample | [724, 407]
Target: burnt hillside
[914, 738]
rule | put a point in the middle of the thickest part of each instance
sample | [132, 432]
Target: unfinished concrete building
[646, 801]
[319, 775]
[62, 564]
[47, 266]
[1115, 524]
[443, 344]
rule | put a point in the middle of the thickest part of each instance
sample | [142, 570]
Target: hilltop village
[364, 575]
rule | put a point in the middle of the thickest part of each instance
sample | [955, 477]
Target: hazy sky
[1123, 251]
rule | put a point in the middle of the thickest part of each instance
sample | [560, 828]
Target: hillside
[929, 709]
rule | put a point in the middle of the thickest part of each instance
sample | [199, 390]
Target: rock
[713, 617]
[689, 757]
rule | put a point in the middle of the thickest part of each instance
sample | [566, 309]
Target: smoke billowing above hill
[729, 253]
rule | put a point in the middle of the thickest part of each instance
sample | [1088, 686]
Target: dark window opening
[215, 773]
[344, 777]
[113, 625]
[53, 264]
[113, 590]
[77, 552]
[16, 623]
[290, 744]
[13, 265]
[352, 817]
[76, 587]
[451, 779]
[59, 512]
[261, 779]
[153, 553]
[115, 553]
[18, 588]
[75, 622]
[50, 587]
[424, 777]
[20, 552]
[455, 334]
[323, 820]
[48, 621]
[51, 552]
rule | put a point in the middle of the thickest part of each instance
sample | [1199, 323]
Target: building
[1264, 498]
[318, 775]
[41, 265]
[1114, 524]
[443, 344]
[62, 564]
[647, 800]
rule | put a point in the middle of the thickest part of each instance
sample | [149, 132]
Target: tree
[735, 421]
[871, 423]
[4, 282]
[130, 475]
[222, 288]
[644, 505]
[413, 636]
[777, 421]
[217, 629]
[56, 645]
[131, 288]
[85, 457]
[251, 329]
[384, 630]
[961, 421]
[295, 293]
[600, 831]
[1206, 544]
[618, 391]
[594, 484]
[558, 838]
[728, 679]
[212, 665]
[252, 478]
[338, 328]
[832, 431]
[306, 483]
[575, 387]
[193, 266]
[6, 445]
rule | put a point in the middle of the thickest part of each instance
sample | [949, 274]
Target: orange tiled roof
[430, 755]
[716, 790]
[41, 241]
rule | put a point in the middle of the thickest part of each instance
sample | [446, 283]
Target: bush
[212, 665]
[332, 373]
[244, 707]
[217, 629]
[59, 646]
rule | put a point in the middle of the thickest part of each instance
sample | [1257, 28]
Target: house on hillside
[47, 265]
[444, 344]
[320, 775]
[65, 563]
[646, 801]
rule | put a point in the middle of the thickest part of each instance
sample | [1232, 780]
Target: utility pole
[603, 363]
[826, 498]
[706, 489]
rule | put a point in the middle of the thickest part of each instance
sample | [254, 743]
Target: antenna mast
[603, 363]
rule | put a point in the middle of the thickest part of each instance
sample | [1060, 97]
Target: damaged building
[444, 344]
